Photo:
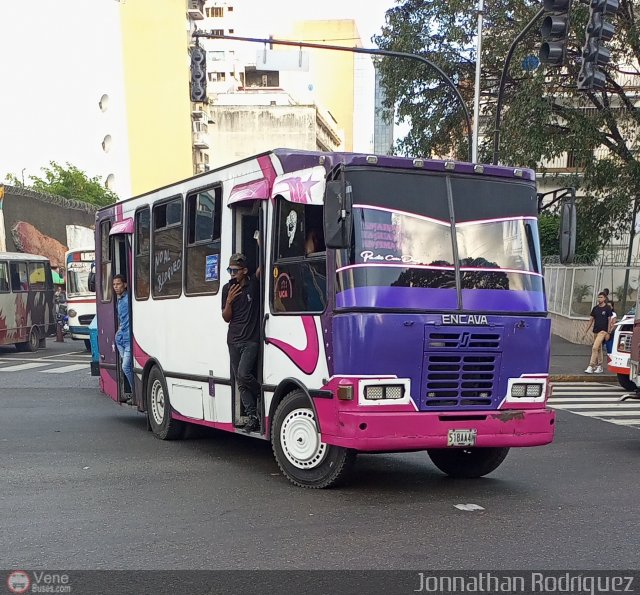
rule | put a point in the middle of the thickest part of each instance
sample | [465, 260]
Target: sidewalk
[568, 362]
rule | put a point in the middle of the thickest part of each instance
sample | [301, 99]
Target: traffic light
[555, 31]
[198, 74]
[594, 55]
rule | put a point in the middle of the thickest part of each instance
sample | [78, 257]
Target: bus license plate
[462, 437]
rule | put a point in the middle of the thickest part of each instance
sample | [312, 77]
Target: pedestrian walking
[600, 322]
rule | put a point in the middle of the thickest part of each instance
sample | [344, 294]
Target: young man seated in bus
[241, 309]
[123, 335]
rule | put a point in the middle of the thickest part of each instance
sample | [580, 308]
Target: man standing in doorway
[123, 335]
[601, 320]
[241, 309]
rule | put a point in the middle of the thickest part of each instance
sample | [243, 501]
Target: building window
[229, 8]
[574, 162]
[142, 260]
[217, 31]
[215, 56]
[262, 78]
[214, 11]
[231, 31]
[299, 271]
[202, 253]
[166, 255]
[216, 77]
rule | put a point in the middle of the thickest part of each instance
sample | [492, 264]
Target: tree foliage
[69, 182]
[543, 116]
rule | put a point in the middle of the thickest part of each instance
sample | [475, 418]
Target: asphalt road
[85, 486]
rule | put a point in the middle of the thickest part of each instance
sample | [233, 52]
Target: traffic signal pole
[355, 50]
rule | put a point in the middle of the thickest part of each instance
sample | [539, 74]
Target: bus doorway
[247, 241]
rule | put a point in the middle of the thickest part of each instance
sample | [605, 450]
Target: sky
[368, 14]
[47, 104]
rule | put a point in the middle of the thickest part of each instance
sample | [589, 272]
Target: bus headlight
[377, 392]
[526, 390]
[71, 313]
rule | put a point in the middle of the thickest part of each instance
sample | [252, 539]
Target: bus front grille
[459, 380]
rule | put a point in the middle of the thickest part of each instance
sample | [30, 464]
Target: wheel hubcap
[157, 402]
[300, 440]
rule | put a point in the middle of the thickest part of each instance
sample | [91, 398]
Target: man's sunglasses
[233, 270]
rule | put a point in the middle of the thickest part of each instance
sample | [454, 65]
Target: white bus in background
[81, 294]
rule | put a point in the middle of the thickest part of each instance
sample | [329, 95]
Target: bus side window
[300, 280]
[19, 276]
[4, 277]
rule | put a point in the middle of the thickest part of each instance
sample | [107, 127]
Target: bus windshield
[78, 277]
[407, 253]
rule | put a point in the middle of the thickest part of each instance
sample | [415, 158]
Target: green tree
[69, 182]
[543, 114]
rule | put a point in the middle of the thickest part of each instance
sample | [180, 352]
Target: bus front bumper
[412, 430]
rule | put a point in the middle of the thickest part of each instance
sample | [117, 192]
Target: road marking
[20, 367]
[554, 400]
[601, 401]
[64, 369]
[83, 352]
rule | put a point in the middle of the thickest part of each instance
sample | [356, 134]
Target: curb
[583, 378]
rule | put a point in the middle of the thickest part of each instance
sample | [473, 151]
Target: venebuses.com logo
[18, 581]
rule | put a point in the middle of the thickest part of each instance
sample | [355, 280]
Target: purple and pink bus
[402, 308]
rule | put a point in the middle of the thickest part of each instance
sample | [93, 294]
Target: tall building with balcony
[332, 83]
[124, 114]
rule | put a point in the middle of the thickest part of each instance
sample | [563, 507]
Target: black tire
[32, 344]
[626, 383]
[87, 345]
[158, 407]
[311, 463]
[467, 462]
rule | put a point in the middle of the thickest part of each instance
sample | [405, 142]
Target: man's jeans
[243, 361]
[126, 362]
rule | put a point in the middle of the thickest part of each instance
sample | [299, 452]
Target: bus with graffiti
[26, 301]
[402, 308]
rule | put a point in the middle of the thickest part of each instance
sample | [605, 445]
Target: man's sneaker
[598, 370]
[589, 370]
[252, 425]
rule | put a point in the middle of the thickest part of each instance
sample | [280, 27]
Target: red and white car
[618, 359]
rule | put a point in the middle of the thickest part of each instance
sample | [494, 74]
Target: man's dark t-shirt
[244, 324]
[601, 315]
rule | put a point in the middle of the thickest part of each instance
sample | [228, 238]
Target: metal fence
[571, 291]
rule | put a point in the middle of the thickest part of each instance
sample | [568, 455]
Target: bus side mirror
[337, 214]
[567, 231]
[91, 282]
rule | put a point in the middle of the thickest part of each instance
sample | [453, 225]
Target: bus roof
[294, 159]
[21, 256]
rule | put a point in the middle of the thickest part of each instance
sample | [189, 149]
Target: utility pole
[476, 98]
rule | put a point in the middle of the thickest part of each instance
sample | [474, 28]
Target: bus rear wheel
[303, 458]
[467, 462]
[32, 344]
[161, 423]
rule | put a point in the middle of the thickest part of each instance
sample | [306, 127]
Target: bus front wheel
[303, 458]
[467, 462]
[161, 423]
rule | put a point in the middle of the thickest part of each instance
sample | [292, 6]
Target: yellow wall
[156, 78]
[333, 71]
